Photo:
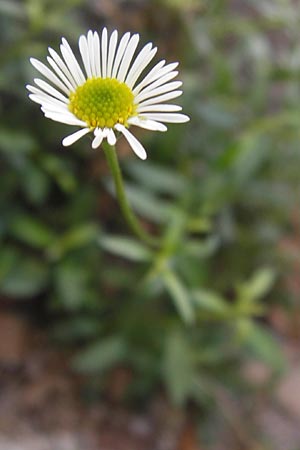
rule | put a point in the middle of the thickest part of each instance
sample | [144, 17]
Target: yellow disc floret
[102, 102]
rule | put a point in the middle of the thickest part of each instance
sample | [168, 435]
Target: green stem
[129, 215]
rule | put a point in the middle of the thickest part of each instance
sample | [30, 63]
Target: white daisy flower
[109, 95]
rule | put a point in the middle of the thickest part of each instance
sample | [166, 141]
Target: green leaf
[77, 328]
[178, 367]
[217, 115]
[35, 183]
[79, 236]
[60, 171]
[259, 285]
[263, 345]
[254, 151]
[14, 142]
[8, 258]
[125, 247]
[25, 278]
[210, 302]
[100, 356]
[71, 281]
[13, 9]
[180, 296]
[202, 248]
[178, 4]
[31, 231]
[157, 178]
[148, 206]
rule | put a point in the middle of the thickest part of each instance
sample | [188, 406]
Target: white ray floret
[106, 93]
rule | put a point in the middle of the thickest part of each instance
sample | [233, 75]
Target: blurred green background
[223, 190]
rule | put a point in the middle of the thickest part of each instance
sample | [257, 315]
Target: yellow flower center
[102, 102]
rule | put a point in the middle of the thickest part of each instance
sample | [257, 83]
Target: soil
[44, 405]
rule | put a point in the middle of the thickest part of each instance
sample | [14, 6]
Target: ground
[43, 405]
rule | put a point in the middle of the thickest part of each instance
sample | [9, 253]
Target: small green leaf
[12, 9]
[178, 367]
[179, 295]
[26, 278]
[100, 355]
[149, 206]
[31, 231]
[210, 302]
[71, 281]
[259, 285]
[202, 248]
[217, 115]
[263, 345]
[125, 247]
[14, 142]
[35, 183]
[157, 178]
[60, 171]
[77, 328]
[79, 236]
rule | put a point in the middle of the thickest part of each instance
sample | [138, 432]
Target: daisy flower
[106, 95]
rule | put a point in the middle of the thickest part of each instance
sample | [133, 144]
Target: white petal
[64, 118]
[149, 77]
[50, 90]
[60, 74]
[36, 90]
[120, 53]
[63, 67]
[160, 90]
[48, 108]
[133, 142]
[111, 52]
[159, 82]
[41, 94]
[90, 43]
[49, 74]
[141, 61]
[45, 100]
[161, 98]
[75, 63]
[71, 62]
[128, 55]
[165, 117]
[104, 52]
[105, 132]
[97, 139]
[36, 98]
[97, 61]
[159, 108]
[83, 47]
[147, 124]
[69, 140]
[111, 137]
[158, 71]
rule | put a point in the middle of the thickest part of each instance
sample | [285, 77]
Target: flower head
[108, 94]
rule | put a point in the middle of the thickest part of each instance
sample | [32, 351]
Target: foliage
[220, 191]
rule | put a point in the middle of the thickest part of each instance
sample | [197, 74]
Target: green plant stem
[129, 215]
